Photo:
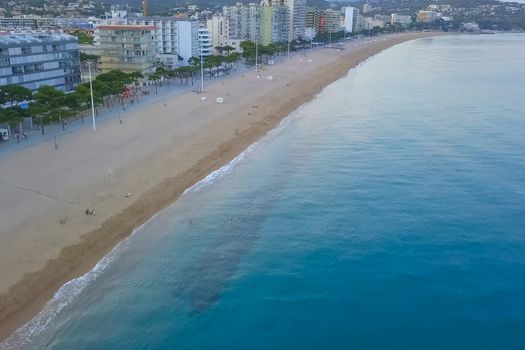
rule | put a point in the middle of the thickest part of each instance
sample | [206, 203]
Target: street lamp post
[92, 102]
[256, 56]
[202, 72]
[256, 39]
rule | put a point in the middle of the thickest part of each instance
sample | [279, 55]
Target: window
[26, 50]
[17, 70]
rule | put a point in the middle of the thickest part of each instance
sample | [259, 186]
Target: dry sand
[155, 154]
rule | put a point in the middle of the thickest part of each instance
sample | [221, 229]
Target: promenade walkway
[105, 115]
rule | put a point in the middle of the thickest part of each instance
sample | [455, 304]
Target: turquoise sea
[388, 213]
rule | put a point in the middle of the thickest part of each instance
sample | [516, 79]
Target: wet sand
[157, 152]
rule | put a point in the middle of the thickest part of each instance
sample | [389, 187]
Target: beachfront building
[217, 26]
[274, 23]
[280, 24]
[351, 19]
[427, 16]
[175, 40]
[297, 15]
[130, 48]
[188, 40]
[268, 22]
[324, 20]
[33, 59]
[205, 42]
[27, 22]
[170, 34]
[374, 23]
[242, 21]
[265, 25]
[249, 22]
[403, 20]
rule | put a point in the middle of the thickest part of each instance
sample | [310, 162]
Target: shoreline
[28, 296]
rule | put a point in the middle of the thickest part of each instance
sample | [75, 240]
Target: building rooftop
[16, 38]
[125, 27]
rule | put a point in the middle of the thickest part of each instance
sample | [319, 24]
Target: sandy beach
[156, 153]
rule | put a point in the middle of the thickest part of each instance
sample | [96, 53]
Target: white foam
[232, 164]
[63, 297]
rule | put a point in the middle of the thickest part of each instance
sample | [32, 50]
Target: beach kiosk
[4, 135]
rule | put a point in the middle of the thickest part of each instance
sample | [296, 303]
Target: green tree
[83, 38]
[194, 61]
[72, 101]
[248, 52]
[47, 101]
[104, 90]
[155, 77]
[84, 57]
[228, 49]
[83, 95]
[14, 94]
[13, 115]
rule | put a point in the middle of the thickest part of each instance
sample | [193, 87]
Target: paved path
[52, 131]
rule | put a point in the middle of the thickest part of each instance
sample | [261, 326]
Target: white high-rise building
[218, 27]
[271, 21]
[400, 19]
[351, 22]
[205, 42]
[242, 21]
[297, 13]
[188, 40]
[176, 40]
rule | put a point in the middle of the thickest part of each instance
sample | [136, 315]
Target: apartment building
[217, 26]
[33, 59]
[175, 40]
[427, 16]
[130, 48]
[324, 20]
[297, 13]
[27, 22]
[205, 42]
[400, 19]
[351, 19]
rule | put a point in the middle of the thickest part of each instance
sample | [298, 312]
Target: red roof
[126, 27]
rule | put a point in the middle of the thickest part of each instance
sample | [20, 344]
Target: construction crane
[145, 7]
